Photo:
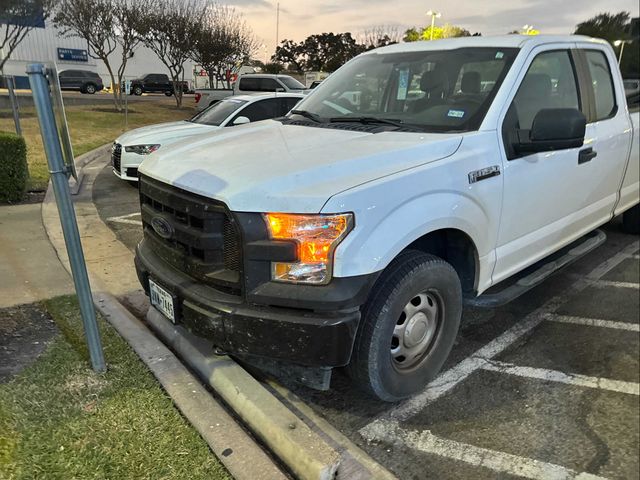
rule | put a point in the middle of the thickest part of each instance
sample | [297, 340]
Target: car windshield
[435, 91]
[218, 113]
[292, 83]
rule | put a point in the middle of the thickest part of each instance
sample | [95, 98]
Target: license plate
[162, 300]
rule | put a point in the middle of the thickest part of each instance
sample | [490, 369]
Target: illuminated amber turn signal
[316, 237]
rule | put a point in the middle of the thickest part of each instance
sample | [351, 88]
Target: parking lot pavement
[546, 387]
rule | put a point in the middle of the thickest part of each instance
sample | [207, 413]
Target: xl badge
[162, 227]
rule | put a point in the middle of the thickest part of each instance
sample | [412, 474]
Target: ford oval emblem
[162, 227]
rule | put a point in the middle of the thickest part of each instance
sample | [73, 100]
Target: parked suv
[152, 83]
[83, 80]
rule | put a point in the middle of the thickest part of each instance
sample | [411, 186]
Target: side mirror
[241, 121]
[553, 129]
[280, 90]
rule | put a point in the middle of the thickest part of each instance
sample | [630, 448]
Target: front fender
[375, 242]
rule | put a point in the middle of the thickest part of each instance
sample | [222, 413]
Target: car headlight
[317, 237]
[142, 149]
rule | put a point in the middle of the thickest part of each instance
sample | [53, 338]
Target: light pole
[433, 15]
[621, 43]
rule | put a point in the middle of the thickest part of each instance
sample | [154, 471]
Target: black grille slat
[204, 243]
[116, 155]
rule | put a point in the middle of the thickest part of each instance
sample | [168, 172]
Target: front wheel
[137, 91]
[90, 88]
[408, 327]
[168, 93]
[631, 220]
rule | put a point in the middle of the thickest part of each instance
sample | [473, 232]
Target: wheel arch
[455, 247]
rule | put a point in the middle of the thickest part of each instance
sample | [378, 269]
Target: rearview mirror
[553, 129]
[241, 121]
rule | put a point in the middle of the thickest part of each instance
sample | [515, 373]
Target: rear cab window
[602, 82]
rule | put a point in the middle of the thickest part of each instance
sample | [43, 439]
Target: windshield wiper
[310, 115]
[368, 121]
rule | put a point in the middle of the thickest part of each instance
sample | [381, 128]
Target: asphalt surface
[545, 387]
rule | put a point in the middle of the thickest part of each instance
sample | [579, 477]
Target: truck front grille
[116, 154]
[194, 234]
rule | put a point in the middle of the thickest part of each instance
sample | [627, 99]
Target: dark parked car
[83, 80]
[152, 83]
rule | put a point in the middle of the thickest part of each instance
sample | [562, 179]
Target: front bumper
[300, 336]
[126, 166]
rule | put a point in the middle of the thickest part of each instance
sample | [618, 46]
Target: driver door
[544, 192]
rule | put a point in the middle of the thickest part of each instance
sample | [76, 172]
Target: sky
[300, 18]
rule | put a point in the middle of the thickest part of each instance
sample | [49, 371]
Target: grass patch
[90, 126]
[59, 419]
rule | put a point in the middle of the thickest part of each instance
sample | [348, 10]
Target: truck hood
[163, 132]
[269, 166]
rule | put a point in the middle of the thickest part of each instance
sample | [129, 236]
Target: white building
[48, 45]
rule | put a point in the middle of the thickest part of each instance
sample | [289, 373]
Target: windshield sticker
[403, 84]
[456, 113]
[499, 55]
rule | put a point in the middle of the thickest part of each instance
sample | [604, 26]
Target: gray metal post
[11, 83]
[59, 179]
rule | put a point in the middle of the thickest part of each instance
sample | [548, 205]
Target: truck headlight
[142, 149]
[317, 237]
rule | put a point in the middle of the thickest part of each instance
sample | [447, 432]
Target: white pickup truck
[416, 179]
[248, 84]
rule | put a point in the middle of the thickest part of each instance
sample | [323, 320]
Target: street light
[621, 43]
[433, 15]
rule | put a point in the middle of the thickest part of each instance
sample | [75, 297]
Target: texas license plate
[162, 300]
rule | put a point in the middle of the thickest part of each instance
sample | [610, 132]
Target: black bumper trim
[304, 337]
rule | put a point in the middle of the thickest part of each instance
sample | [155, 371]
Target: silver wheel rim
[415, 330]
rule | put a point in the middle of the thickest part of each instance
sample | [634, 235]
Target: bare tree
[380, 36]
[17, 19]
[223, 42]
[170, 29]
[105, 25]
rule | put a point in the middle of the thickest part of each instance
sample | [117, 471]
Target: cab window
[602, 81]
[550, 82]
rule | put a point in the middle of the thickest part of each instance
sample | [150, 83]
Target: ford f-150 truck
[416, 179]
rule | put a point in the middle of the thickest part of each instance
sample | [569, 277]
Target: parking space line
[502, 462]
[447, 380]
[593, 322]
[561, 377]
[126, 219]
[609, 283]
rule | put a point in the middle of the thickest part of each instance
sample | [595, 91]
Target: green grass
[60, 420]
[90, 126]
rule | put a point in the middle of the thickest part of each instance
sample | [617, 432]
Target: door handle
[586, 155]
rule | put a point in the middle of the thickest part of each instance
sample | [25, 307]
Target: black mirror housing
[553, 129]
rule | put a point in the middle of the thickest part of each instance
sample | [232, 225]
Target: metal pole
[621, 52]
[58, 171]
[433, 24]
[14, 103]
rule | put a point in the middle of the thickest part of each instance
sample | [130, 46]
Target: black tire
[412, 275]
[90, 88]
[631, 220]
[168, 93]
[137, 90]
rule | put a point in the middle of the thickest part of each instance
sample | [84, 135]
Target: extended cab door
[547, 196]
[610, 131]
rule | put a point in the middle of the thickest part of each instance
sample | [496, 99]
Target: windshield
[447, 90]
[218, 113]
[291, 83]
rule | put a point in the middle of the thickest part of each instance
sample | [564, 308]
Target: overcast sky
[300, 18]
